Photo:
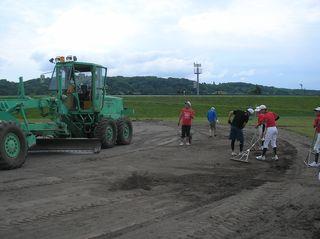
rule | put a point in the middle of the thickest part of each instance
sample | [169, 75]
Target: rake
[306, 161]
[244, 157]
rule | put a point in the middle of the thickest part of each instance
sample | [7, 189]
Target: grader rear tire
[124, 131]
[106, 131]
[13, 146]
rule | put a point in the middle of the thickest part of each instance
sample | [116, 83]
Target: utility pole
[301, 86]
[21, 88]
[197, 71]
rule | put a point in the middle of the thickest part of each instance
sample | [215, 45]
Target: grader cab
[77, 115]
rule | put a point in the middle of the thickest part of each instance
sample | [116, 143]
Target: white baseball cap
[317, 109]
[250, 110]
[213, 108]
[188, 103]
[263, 107]
[257, 109]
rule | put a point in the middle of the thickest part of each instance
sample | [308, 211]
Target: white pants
[271, 136]
[260, 132]
[316, 147]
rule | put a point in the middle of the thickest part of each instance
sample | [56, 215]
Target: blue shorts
[236, 134]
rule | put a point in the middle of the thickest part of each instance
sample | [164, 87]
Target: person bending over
[262, 127]
[238, 122]
[271, 133]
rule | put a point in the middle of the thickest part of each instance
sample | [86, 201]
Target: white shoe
[241, 153]
[188, 143]
[233, 154]
[313, 164]
[275, 158]
[181, 144]
[261, 157]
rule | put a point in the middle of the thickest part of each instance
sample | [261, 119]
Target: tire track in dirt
[241, 209]
[28, 213]
[229, 215]
[28, 183]
[162, 142]
[21, 184]
[24, 183]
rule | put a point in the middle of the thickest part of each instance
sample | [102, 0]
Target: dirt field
[154, 188]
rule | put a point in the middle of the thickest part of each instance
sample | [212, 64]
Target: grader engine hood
[113, 108]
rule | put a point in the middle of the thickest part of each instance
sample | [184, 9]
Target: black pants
[185, 131]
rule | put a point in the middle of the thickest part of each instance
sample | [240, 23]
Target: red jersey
[260, 119]
[316, 124]
[186, 116]
[269, 119]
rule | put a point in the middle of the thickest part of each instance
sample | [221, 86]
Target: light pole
[197, 70]
[301, 86]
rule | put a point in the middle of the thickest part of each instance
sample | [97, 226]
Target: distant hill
[151, 85]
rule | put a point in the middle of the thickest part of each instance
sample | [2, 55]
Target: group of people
[266, 125]
[185, 119]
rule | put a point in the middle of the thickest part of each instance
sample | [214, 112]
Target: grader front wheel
[106, 131]
[13, 147]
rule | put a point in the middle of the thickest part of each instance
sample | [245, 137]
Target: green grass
[296, 112]
[301, 125]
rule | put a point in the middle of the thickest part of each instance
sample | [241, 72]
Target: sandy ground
[154, 188]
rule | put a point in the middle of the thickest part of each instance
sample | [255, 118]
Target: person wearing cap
[271, 132]
[239, 121]
[316, 147]
[213, 120]
[185, 119]
[262, 127]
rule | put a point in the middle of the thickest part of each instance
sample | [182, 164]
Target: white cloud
[245, 73]
[253, 22]
[162, 38]
[221, 74]
[2, 61]
[88, 30]
[164, 66]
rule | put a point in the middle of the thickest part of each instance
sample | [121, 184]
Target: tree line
[152, 85]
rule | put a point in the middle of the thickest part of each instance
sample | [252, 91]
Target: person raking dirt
[185, 119]
[261, 127]
[239, 121]
[316, 147]
[212, 117]
[271, 133]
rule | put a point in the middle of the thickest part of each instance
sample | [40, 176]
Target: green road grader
[77, 115]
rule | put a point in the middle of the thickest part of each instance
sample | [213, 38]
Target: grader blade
[69, 145]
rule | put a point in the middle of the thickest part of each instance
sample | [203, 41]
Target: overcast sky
[269, 42]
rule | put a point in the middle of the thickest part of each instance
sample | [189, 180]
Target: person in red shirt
[261, 127]
[316, 147]
[185, 119]
[271, 133]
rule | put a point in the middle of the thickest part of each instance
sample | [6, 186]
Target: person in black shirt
[239, 121]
